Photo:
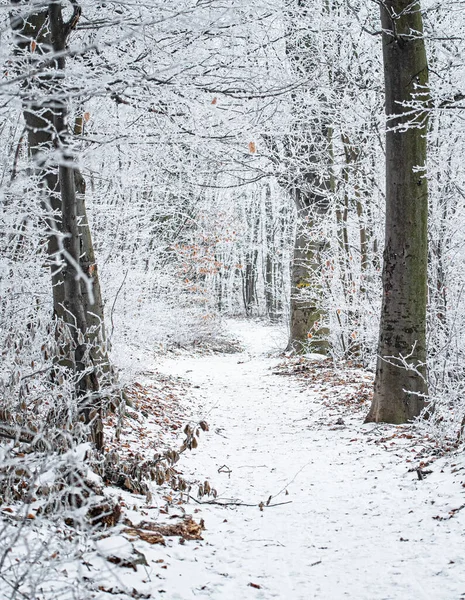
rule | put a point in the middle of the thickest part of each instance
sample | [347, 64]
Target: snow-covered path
[358, 525]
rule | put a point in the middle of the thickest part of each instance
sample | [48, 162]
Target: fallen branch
[284, 489]
[283, 373]
[451, 514]
[16, 434]
[260, 505]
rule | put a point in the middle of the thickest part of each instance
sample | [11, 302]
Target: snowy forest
[232, 299]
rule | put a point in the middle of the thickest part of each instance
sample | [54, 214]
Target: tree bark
[307, 331]
[92, 294]
[400, 382]
[38, 117]
[87, 383]
[33, 41]
[45, 113]
[310, 146]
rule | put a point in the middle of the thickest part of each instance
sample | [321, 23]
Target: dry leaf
[187, 529]
[252, 147]
[146, 536]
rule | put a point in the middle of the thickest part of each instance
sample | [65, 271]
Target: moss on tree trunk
[400, 382]
[307, 316]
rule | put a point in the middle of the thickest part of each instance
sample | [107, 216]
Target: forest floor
[311, 502]
[316, 503]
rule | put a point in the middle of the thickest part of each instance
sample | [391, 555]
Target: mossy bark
[307, 330]
[308, 150]
[400, 382]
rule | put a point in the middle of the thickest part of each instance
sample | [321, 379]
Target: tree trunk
[45, 113]
[308, 150]
[249, 274]
[38, 117]
[92, 294]
[400, 382]
[307, 332]
[87, 383]
[33, 41]
[272, 264]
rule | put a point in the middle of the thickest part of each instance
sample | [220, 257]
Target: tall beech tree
[400, 382]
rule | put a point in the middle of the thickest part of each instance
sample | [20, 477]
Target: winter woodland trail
[358, 526]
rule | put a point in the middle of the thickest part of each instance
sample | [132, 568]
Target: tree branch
[74, 19]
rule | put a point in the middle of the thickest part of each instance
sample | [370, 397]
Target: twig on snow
[289, 482]
[261, 505]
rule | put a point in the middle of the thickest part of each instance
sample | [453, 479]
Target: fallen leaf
[146, 536]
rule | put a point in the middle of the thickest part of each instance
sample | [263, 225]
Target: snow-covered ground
[315, 504]
[353, 523]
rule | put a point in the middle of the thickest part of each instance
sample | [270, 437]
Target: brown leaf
[187, 529]
[146, 536]
[255, 585]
